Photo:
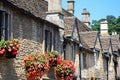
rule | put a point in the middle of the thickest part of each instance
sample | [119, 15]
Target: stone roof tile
[66, 13]
[105, 43]
[70, 21]
[115, 42]
[89, 38]
[82, 27]
[68, 24]
[37, 7]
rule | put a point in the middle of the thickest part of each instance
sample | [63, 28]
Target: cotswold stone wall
[30, 33]
[13, 69]
[99, 70]
[22, 28]
[25, 27]
[118, 68]
[7, 69]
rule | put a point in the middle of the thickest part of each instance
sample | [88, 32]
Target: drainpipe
[115, 67]
[80, 45]
[80, 65]
[64, 48]
[107, 68]
[107, 56]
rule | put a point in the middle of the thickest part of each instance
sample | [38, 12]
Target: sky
[98, 8]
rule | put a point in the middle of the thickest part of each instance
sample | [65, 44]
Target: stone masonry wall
[118, 68]
[99, 70]
[13, 69]
[30, 34]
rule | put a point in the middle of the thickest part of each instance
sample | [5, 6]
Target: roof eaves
[28, 13]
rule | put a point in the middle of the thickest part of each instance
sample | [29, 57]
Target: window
[96, 59]
[84, 61]
[91, 60]
[73, 57]
[3, 25]
[105, 64]
[48, 40]
[34, 31]
[69, 52]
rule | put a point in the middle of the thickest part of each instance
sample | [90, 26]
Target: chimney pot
[71, 6]
[86, 17]
[54, 6]
[104, 28]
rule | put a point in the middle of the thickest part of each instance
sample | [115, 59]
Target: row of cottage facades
[43, 25]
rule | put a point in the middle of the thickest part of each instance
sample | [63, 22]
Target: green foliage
[52, 55]
[110, 19]
[113, 24]
[3, 44]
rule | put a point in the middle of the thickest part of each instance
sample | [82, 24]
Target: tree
[110, 19]
[117, 24]
[113, 24]
[95, 25]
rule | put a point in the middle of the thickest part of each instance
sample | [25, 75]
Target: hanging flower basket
[65, 70]
[36, 66]
[2, 48]
[54, 58]
[12, 48]
[9, 48]
[10, 55]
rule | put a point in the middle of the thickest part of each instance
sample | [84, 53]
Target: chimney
[71, 6]
[54, 6]
[54, 13]
[114, 33]
[55, 16]
[86, 17]
[104, 28]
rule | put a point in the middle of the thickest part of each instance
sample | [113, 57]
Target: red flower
[11, 48]
[36, 66]
[65, 70]
[54, 58]
[2, 47]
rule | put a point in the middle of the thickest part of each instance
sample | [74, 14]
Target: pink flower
[65, 69]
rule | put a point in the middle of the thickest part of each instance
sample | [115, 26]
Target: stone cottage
[115, 45]
[32, 23]
[25, 20]
[110, 50]
[103, 62]
[39, 27]
[90, 60]
[43, 25]
[72, 41]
